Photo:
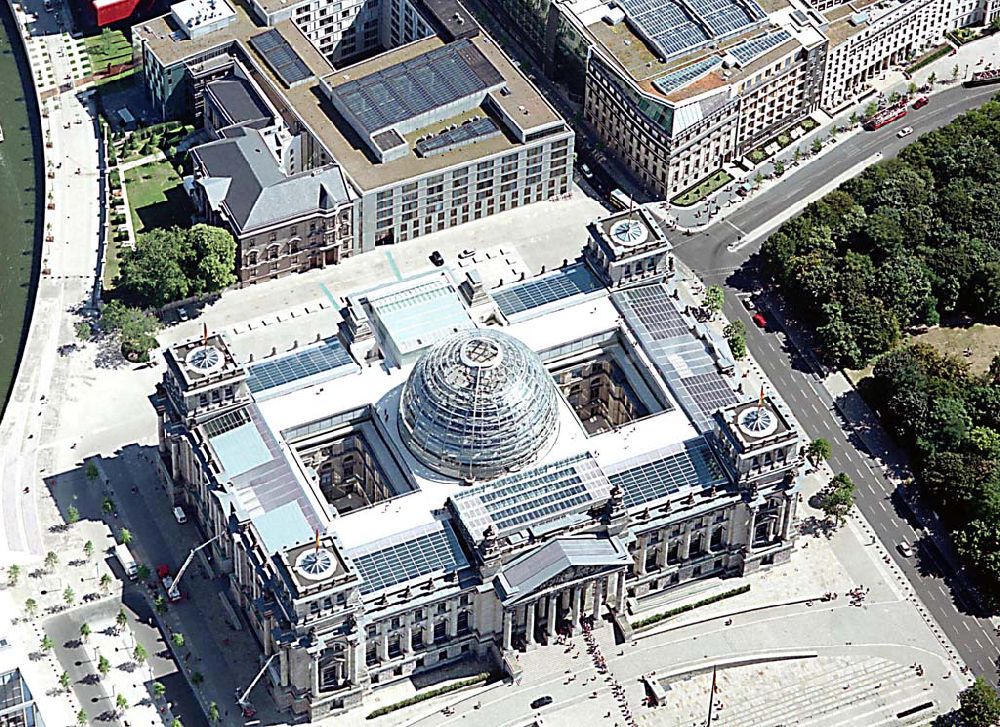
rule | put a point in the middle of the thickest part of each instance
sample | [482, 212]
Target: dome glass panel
[479, 404]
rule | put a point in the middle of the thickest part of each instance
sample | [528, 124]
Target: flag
[317, 540]
[204, 334]
[760, 402]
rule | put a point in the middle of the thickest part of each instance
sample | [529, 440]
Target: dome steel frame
[479, 404]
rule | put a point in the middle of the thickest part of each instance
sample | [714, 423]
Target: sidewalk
[718, 205]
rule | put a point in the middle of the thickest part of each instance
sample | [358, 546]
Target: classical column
[553, 613]
[383, 645]
[686, 544]
[753, 527]
[315, 675]
[508, 629]
[429, 628]
[598, 598]
[620, 588]
[407, 635]
[529, 626]
[577, 605]
[453, 622]
[786, 526]
[661, 554]
[640, 565]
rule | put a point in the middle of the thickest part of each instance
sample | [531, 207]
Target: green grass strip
[656, 618]
[389, 708]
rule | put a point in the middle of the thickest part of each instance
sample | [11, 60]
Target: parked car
[182, 314]
[541, 702]
[905, 131]
[437, 258]
[180, 516]
[747, 302]
[921, 102]
[760, 320]
[905, 549]
[585, 171]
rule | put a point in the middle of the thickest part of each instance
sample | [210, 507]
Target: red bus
[885, 117]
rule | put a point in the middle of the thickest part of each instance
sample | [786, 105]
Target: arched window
[252, 258]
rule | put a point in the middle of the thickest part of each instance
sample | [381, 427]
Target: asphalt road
[706, 253]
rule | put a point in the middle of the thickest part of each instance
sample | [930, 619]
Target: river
[20, 200]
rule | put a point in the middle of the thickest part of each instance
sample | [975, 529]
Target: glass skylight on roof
[271, 374]
[681, 78]
[281, 57]
[408, 555]
[519, 297]
[751, 49]
[658, 474]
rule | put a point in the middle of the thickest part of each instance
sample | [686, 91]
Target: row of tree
[904, 243]
[950, 419]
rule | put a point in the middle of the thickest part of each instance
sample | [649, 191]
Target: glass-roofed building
[463, 476]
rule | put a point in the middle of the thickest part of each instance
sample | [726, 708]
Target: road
[706, 254]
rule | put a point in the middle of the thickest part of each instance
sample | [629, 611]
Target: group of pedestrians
[601, 664]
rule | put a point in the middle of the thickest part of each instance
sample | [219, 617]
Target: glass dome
[479, 404]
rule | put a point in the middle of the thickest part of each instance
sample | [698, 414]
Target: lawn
[702, 189]
[156, 196]
[107, 49]
[982, 341]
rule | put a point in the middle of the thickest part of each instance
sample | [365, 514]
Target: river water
[20, 200]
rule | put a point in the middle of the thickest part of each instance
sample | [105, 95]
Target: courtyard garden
[714, 181]
[156, 196]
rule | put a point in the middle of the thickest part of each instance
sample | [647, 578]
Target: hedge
[656, 618]
[932, 56]
[471, 682]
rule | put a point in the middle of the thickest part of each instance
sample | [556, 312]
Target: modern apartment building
[547, 455]
[313, 162]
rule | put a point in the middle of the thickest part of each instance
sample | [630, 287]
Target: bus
[621, 200]
[886, 116]
[983, 78]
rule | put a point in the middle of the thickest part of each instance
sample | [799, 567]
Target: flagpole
[711, 698]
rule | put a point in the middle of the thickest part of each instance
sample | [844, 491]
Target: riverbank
[22, 202]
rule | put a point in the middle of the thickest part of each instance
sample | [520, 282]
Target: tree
[178, 639]
[911, 88]
[121, 702]
[69, 595]
[105, 582]
[197, 678]
[817, 146]
[13, 575]
[758, 179]
[125, 536]
[160, 604]
[158, 690]
[72, 515]
[213, 713]
[819, 450]
[103, 666]
[838, 498]
[134, 328]
[955, 72]
[121, 619]
[735, 333]
[82, 719]
[779, 167]
[47, 643]
[139, 654]
[176, 723]
[83, 330]
[797, 155]
[152, 274]
[51, 560]
[92, 473]
[142, 572]
[932, 79]
[215, 252]
[714, 298]
[871, 109]
[88, 549]
[31, 607]
[65, 681]
[108, 506]
[853, 120]
[979, 704]
[85, 631]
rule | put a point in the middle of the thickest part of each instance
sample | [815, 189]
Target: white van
[179, 515]
[126, 561]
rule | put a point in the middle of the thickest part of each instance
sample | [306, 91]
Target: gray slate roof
[255, 190]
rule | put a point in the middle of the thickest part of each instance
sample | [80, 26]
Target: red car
[921, 102]
[760, 320]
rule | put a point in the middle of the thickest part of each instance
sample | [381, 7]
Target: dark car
[541, 702]
[437, 258]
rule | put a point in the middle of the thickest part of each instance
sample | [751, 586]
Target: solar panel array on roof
[681, 78]
[462, 135]
[662, 472]
[573, 280]
[280, 56]
[683, 359]
[325, 357]
[754, 48]
[417, 86]
[408, 555]
[676, 26]
[532, 497]
[725, 17]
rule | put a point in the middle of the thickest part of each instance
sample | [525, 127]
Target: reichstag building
[463, 473]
